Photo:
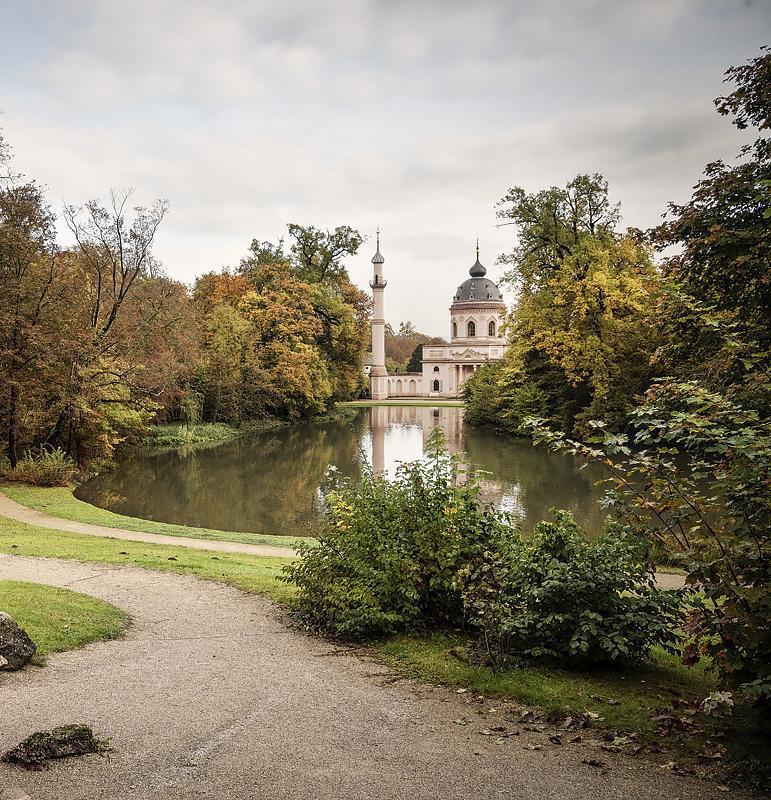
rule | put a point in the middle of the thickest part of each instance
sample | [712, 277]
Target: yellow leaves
[591, 314]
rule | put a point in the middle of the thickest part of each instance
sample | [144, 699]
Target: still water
[274, 482]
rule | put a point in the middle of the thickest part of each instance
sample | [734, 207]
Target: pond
[274, 481]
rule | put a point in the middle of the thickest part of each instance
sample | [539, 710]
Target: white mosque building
[476, 317]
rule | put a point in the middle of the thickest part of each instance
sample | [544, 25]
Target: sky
[414, 115]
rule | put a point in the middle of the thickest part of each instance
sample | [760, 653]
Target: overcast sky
[415, 115]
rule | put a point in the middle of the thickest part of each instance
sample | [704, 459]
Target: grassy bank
[249, 573]
[636, 693]
[60, 502]
[176, 434]
[58, 619]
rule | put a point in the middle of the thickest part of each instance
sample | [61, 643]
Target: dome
[477, 289]
[477, 270]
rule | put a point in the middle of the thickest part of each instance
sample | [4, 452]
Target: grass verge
[250, 573]
[59, 501]
[636, 692]
[59, 619]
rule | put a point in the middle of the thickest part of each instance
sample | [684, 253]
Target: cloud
[414, 114]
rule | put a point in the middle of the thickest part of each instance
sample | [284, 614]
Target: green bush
[389, 552]
[46, 468]
[560, 596]
[694, 483]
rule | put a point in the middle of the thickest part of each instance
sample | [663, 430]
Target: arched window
[472, 329]
[491, 329]
[436, 369]
[454, 330]
[436, 386]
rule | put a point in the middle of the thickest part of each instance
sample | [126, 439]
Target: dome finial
[477, 270]
[378, 258]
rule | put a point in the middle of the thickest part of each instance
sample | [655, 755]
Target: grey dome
[477, 270]
[477, 289]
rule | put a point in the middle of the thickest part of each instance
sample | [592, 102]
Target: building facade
[476, 319]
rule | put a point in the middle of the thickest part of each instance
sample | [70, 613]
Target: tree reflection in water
[274, 482]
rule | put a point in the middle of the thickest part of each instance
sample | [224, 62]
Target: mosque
[476, 317]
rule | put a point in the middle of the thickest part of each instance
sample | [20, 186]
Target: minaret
[378, 377]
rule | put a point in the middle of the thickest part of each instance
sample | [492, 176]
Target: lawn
[59, 501]
[250, 573]
[59, 619]
[635, 693]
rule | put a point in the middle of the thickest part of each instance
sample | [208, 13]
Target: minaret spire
[378, 377]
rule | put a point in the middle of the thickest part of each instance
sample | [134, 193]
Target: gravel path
[13, 510]
[210, 695]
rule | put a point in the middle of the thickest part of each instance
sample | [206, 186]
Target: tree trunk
[13, 412]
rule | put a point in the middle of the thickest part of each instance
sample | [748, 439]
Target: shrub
[46, 468]
[694, 480]
[560, 596]
[389, 552]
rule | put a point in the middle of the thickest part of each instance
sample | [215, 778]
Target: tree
[694, 477]
[724, 237]
[551, 223]
[318, 255]
[403, 349]
[316, 258]
[105, 398]
[117, 252]
[219, 376]
[29, 284]
[415, 364]
[582, 328]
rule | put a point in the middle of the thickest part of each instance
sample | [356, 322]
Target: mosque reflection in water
[275, 482]
[514, 476]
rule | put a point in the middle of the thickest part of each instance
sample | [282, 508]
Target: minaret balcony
[378, 283]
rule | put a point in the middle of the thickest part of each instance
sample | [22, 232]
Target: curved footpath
[210, 695]
[13, 510]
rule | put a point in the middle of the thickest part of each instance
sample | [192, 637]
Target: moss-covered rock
[62, 742]
[16, 648]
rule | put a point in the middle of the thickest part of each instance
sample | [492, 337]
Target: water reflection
[275, 482]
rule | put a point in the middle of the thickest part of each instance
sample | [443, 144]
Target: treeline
[404, 347]
[285, 333]
[96, 341]
[598, 318]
